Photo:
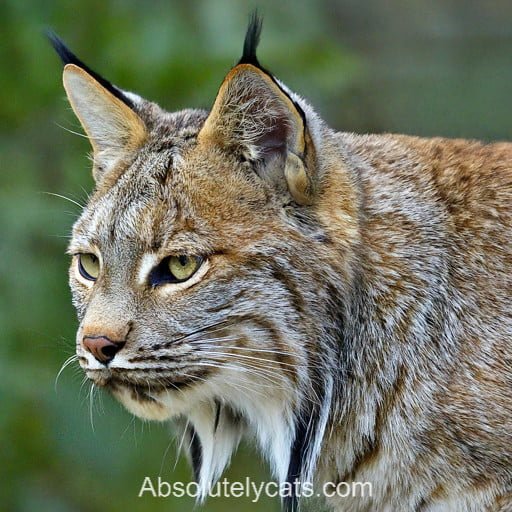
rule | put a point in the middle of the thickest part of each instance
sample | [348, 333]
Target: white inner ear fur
[249, 106]
[113, 128]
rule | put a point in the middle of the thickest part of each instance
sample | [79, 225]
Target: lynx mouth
[143, 386]
[149, 398]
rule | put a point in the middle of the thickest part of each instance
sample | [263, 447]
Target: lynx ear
[255, 116]
[107, 114]
[114, 129]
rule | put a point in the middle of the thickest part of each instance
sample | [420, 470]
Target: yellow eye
[183, 267]
[89, 266]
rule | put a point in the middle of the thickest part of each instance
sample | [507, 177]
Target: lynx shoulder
[342, 300]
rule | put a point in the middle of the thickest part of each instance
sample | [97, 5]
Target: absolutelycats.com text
[160, 488]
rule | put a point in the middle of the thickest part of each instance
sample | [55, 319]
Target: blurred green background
[432, 67]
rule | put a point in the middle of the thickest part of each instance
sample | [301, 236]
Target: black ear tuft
[68, 57]
[252, 39]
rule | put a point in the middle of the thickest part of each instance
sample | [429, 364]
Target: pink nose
[102, 348]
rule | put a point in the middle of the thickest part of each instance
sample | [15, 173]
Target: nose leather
[102, 348]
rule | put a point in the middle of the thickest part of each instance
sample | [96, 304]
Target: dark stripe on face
[227, 305]
[146, 382]
[281, 356]
[196, 453]
[183, 339]
[280, 274]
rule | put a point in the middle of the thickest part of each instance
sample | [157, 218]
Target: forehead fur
[177, 193]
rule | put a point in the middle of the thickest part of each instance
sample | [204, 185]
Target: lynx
[342, 300]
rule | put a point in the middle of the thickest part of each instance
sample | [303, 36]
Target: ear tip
[252, 39]
[72, 68]
[70, 71]
[50, 34]
[71, 74]
[72, 62]
[65, 54]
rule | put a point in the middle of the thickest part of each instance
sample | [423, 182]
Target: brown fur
[356, 284]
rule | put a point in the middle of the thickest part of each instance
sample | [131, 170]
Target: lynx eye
[183, 267]
[89, 266]
[175, 269]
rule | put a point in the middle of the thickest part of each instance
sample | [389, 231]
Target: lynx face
[199, 269]
[163, 341]
[343, 300]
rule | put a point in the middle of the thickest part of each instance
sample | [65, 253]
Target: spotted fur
[354, 314]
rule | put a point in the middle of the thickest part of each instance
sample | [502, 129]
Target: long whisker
[130, 423]
[180, 446]
[212, 344]
[66, 363]
[213, 339]
[84, 381]
[202, 329]
[101, 405]
[268, 374]
[73, 132]
[241, 369]
[81, 206]
[250, 349]
[277, 364]
[272, 364]
[91, 405]
[86, 194]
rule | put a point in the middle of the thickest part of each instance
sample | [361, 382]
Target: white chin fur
[163, 407]
[266, 416]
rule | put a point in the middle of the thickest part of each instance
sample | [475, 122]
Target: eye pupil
[182, 267]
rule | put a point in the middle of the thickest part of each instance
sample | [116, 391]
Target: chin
[161, 405]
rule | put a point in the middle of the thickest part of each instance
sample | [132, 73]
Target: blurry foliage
[436, 67]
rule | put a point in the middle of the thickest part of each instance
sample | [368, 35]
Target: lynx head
[199, 270]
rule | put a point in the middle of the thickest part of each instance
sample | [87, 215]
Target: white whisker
[278, 364]
[66, 363]
[130, 423]
[241, 369]
[262, 350]
[91, 404]
[81, 206]
[73, 132]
